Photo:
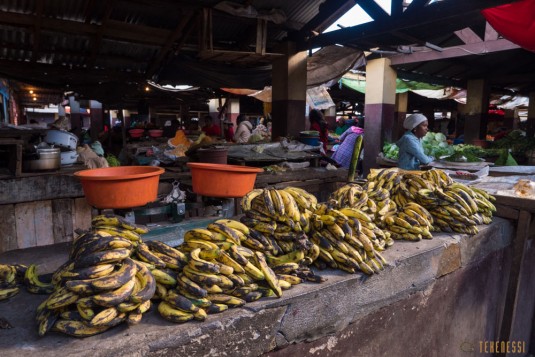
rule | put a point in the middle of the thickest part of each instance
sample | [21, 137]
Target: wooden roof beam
[187, 19]
[328, 12]
[97, 38]
[114, 29]
[427, 15]
[37, 29]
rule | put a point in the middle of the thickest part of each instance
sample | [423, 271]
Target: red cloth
[213, 130]
[515, 22]
[324, 135]
[229, 134]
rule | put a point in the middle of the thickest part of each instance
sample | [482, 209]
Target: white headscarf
[413, 120]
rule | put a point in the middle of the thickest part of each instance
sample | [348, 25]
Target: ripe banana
[168, 312]
[33, 284]
[269, 275]
[234, 224]
[114, 297]
[77, 328]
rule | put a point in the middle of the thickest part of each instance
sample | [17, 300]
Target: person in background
[411, 151]
[228, 130]
[244, 130]
[344, 152]
[210, 128]
[318, 123]
[341, 127]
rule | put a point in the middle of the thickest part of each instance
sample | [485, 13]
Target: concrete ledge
[464, 273]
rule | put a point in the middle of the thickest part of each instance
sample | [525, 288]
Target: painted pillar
[330, 117]
[402, 100]
[530, 127]
[477, 107]
[97, 121]
[289, 77]
[379, 109]
[76, 118]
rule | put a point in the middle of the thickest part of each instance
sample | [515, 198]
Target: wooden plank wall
[39, 223]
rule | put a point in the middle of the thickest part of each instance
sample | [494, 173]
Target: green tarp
[401, 85]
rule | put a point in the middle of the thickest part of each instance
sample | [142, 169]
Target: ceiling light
[31, 91]
[147, 89]
[34, 98]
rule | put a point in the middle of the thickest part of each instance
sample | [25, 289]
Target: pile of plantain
[11, 276]
[410, 206]
[100, 286]
[219, 273]
[298, 232]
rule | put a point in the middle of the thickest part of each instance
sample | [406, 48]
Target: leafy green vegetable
[112, 160]
[506, 159]
[390, 151]
[462, 157]
[436, 145]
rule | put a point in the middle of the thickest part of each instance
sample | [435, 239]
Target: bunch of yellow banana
[278, 222]
[468, 207]
[216, 278]
[438, 177]
[383, 179]
[112, 220]
[349, 240]
[412, 222]
[285, 206]
[10, 277]
[350, 195]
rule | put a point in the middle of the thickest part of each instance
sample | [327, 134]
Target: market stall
[361, 221]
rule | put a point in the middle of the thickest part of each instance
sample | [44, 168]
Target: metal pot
[43, 159]
[61, 138]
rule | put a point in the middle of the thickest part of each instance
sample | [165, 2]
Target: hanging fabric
[515, 22]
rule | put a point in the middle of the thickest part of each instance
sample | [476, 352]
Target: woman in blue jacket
[411, 151]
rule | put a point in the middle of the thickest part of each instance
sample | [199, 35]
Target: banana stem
[354, 159]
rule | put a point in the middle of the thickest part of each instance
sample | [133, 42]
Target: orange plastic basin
[120, 187]
[219, 180]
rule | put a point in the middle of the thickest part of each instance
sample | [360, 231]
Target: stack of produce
[348, 240]
[100, 286]
[432, 201]
[221, 272]
[279, 222]
[410, 206]
[300, 232]
[10, 277]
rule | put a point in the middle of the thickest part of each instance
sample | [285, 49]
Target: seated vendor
[411, 151]
[210, 128]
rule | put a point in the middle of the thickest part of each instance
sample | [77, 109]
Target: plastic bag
[176, 195]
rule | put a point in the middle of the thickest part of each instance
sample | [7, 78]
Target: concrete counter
[437, 297]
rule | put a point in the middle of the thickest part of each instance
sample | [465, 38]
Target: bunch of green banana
[10, 277]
